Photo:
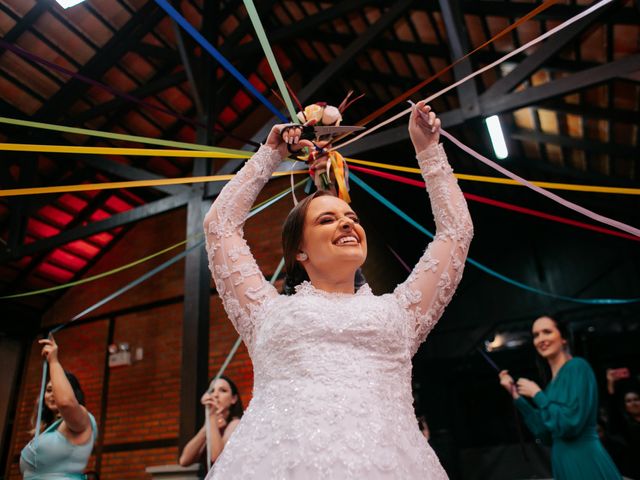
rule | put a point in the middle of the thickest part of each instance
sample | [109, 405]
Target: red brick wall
[144, 398]
[131, 465]
[142, 401]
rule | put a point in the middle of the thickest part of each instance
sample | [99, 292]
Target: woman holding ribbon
[565, 412]
[225, 410]
[62, 447]
[332, 363]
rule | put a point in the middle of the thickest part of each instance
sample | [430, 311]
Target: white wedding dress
[332, 372]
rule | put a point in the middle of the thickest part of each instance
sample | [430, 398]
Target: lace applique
[232, 306]
[235, 252]
[307, 288]
[429, 263]
[237, 276]
[299, 425]
[245, 270]
[406, 296]
[431, 284]
[259, 293]
[221, 271]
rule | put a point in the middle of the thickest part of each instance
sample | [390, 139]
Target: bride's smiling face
[332, 235]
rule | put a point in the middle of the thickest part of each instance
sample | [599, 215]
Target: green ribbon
[117, 136]
[262, 38]
[136, 262]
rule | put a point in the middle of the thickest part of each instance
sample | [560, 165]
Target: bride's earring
[301, 257]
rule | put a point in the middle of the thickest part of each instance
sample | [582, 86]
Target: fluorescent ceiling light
[497, 138]
[69, 3]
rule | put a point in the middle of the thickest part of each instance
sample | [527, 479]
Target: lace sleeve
[238, 279]
[434, 279]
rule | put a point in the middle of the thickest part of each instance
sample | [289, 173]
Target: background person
[225, 407]
[565, 413]
[68, 430]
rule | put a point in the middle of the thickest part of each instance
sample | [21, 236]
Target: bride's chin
[355, 259]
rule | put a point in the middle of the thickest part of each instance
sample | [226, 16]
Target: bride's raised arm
[434, 279]
[238, 278]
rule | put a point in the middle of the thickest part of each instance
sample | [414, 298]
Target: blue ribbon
[204, 43]
[499, 276]
[43, 385]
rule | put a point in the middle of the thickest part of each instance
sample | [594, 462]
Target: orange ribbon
[338, 164]
[408, 93]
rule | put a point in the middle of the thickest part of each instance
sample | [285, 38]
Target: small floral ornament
[326, 115]
[312, 112]
[331, 116]
[322, 113]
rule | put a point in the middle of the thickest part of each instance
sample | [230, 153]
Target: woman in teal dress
[565, 412]
[68, 430]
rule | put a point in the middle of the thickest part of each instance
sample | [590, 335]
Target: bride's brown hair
[292, 232]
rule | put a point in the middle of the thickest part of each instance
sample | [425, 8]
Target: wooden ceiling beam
[120, 219]
[140, 24]
[530, 64]
[303, 27]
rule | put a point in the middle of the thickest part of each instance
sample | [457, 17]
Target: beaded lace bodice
[332, 372]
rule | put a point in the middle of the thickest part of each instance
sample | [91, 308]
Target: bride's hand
[424, 127]
[282, 135]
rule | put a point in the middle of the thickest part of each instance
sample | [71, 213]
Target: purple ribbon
[115, 92]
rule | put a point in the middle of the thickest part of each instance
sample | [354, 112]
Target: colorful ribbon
[506, 206]
[550, 195]
[140, 152]
[339, 166]
[589, 301]
[116, 136]
[93, 278]
[271, 59]
[507, 181]
[522, 48]
[114, 91]
[257, 209]
[12, 192]
[204, 43]
[206, 148]
[540, 8]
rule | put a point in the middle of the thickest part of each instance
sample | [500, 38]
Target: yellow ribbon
[230, 153]
[128, 184]
[508, 181]
[149, 152]
[337, 163]
[131, 264]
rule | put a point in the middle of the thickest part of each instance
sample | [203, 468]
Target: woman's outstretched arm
[238, 279]
[434, 279]
[75, 416]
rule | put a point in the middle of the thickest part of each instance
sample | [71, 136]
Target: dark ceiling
[569, 108]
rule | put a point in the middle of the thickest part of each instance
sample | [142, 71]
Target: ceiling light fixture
[497, 138]
[69, 3]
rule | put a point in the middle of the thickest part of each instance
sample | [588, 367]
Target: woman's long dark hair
[292, 234]
[48, 415]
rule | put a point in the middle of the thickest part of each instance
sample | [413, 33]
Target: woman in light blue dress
[565, 412]
[68, 430]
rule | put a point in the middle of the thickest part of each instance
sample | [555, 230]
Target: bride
[332, 364]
